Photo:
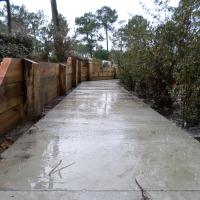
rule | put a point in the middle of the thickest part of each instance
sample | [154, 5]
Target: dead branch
[52, 171]
[58, 170]
[144, 192]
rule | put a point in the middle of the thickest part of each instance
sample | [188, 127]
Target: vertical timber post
[74, 72]
[77, 63]
[90, 70]
[79, 70]
[32, 83]
[62, 79]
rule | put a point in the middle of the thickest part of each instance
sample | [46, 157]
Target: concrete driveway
[94, 144]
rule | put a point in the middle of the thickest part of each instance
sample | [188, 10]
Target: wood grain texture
[85, 71]
[11, 71]
[62, 79]
[97, 72]
[74, 72]
[68, 78]
[10, 118]
[32, 91]
[80, 63]
[10, 96]
[49, 82]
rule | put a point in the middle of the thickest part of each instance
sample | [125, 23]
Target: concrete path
[106, 138]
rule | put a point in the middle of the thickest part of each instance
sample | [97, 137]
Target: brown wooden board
[49, 82]
[10, 96]
[11, 71]
[62, 79]
[49, 69]
[74, 72]
[32, 90]
[80, 63]
[48, 89]
[10, 118]
[84, 71]
[69, 78]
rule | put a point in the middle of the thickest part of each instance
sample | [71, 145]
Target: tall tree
[87, 26]
[107, 17]
[62, 43]
[27, 23]
[56, 31]
[41, 31]
[55, 15]
[8, 15]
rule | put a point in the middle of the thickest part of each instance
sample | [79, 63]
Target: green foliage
[59, 30]
[188, 88]
[161, 63]
[2, 27]
[40, 30]
[8, 18]
[15, 46]
[107, 17]
[79, 49]
[62, 43]
[187, 17]
[101, 54]
[88, 26]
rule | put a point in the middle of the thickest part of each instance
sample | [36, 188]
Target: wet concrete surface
[109, 138]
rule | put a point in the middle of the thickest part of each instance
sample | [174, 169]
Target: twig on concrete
[58, 170]
[52, 171]
[144, 193]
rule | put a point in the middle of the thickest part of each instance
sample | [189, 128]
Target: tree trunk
[58, 40]
[55, 18]
[8, 16]
[107, 38]
[91, 51]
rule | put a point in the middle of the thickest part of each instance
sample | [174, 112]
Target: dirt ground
[194, 131]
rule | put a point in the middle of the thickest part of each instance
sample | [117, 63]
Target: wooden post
[115, 73]
[68, 78]
[11, 93]
[79, 70]
[90, 70]
[32, 83]
[77, 61]
[74, 72]
[62, 79]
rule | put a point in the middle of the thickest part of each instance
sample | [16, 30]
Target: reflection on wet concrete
[113, 138]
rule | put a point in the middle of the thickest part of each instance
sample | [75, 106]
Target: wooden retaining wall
[49, 82]
[85, 71]
[27, 86]
[11, 93]
[102, 73]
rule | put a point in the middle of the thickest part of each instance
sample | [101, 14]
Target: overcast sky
[74, 8]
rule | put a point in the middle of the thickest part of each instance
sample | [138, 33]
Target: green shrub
[162, 64]
[15, 46]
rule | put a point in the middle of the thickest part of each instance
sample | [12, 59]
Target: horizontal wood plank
[10, 118]
[49, 69]
[4, 106]
[10, 96]
[11, 71]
